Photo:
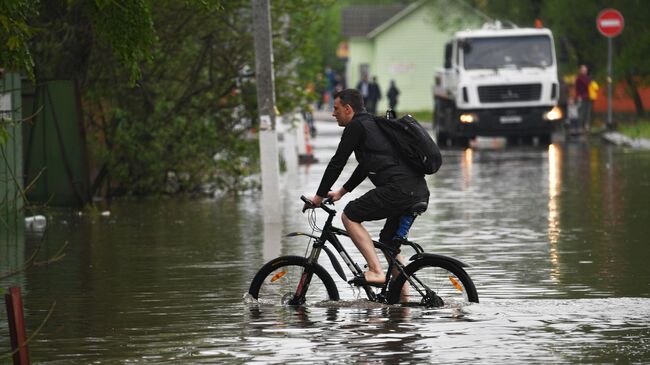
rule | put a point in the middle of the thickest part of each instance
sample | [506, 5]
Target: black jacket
[376, 156]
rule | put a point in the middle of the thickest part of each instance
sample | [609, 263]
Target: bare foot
[404, 294]
[374, 277]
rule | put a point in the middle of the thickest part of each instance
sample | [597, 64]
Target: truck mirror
[448, 50]
[564, 50]
[465, 45]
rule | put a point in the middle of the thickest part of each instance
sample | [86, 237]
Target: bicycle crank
[431, 300]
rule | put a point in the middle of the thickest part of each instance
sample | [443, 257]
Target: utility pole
[264, 79]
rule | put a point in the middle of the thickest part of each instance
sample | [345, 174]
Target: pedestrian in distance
[364, 88]
[397, 186]
[582, 96]
[573, 116]
[374, 95]
[393, 93]
[330, 76]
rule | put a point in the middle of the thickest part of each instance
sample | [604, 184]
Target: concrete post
[266, 108]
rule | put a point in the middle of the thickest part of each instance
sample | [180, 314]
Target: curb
[622, 140]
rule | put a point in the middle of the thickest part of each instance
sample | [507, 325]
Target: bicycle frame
[329, 234]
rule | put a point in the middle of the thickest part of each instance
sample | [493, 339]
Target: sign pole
[610, 23]
[609, 83]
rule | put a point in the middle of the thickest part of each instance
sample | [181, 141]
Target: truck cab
[497, 82]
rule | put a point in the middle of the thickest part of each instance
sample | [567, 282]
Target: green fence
[56, 165]
[11, 163]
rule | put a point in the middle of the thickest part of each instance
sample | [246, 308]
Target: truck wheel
[512, 141]
[462, 142]
[441, 137]
[544, 139]
[448, 117]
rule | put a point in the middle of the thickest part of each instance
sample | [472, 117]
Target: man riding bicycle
[397, 186]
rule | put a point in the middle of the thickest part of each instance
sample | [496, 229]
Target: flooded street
[557, 239]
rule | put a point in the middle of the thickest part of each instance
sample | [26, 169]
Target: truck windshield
[507, 52]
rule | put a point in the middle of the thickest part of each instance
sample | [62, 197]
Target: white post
[266, 108]
[290, 150]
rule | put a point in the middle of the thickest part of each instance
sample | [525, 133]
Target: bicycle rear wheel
[438, 283]
[276, 282]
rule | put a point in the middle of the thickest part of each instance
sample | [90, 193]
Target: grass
[639, 129]
[422, 116]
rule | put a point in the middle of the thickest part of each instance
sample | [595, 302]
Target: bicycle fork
[305, 279]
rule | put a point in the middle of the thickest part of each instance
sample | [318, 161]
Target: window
[505, 52]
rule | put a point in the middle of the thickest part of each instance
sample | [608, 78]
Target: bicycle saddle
[418, 208]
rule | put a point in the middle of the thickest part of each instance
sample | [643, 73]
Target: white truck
[497, 82]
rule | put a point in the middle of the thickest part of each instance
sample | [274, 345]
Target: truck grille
[506, 93]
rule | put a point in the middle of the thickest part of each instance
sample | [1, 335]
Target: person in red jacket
[582, 96]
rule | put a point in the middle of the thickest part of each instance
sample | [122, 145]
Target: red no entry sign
[610, 23]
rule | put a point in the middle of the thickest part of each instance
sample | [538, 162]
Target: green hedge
[639, 129]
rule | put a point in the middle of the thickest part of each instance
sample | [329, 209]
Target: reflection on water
[467, 167]
[554, 183]
[520, 331]
[272, 240]
[556, 239]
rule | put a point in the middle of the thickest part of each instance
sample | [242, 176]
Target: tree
[15, 34]
[576, 22]
[31, 30]
[196, 101]
[166, 84]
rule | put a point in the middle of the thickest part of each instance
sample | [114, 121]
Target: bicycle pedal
[360, 281]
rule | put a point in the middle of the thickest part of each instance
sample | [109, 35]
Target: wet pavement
[557, 240]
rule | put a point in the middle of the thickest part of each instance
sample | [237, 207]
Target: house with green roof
[404, 43]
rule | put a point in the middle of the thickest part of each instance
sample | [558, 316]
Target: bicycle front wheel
[276, 282]
[435, 283]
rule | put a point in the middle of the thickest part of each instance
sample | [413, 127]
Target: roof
[506, 32]
[358, 21]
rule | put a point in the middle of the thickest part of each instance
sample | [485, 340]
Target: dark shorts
[388, 202]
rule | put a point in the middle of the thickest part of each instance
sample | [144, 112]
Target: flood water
[557, 239]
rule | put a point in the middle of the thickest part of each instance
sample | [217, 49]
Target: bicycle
[433, 280]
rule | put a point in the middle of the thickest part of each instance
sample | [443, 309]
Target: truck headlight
[553, 114]
[468, 118]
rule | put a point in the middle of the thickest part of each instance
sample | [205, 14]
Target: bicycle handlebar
[322, 206]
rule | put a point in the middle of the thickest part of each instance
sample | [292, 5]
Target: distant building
[404, 43]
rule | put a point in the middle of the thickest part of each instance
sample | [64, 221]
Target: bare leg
[405, 289]
[362, 240]
[404, 295]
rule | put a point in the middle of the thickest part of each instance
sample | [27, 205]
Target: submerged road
[556, 238]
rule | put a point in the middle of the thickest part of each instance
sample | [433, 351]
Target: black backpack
[412, 141]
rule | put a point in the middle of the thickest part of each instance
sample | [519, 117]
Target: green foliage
[4, 134]
[185, 108]
[168, 85]
[123, 25]
[127, 27]
[299, 54]
[639, 129]
[197, 99]
[15, 34]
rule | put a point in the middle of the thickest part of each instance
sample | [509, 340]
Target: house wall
[409, 52]
[364, 53]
